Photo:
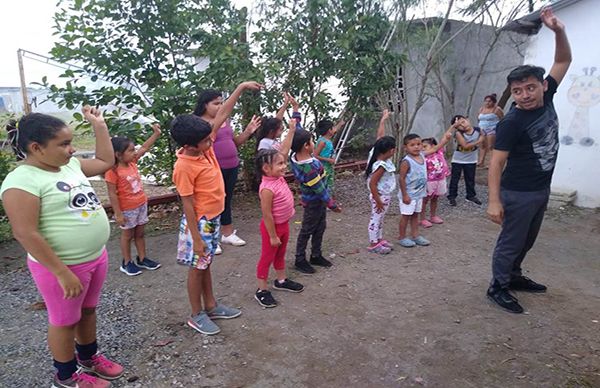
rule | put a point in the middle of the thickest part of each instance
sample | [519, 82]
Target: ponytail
[381, 146]
[12, 129]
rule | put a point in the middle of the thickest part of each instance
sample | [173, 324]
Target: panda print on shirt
[83, 201]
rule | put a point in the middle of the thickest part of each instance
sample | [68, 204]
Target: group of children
[48, 197]
[421, 177]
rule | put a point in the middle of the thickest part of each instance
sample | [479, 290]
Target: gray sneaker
[203, 324]
[223, 312]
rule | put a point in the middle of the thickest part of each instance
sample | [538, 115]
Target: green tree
[142, 52]
[307, 45]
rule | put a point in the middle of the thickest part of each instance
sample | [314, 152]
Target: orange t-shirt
[201, 177]
[130, 189]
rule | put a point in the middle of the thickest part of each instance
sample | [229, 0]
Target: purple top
[225, 148]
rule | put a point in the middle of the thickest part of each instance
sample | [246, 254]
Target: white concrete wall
[577, 101]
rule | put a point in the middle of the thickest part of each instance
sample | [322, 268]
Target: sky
[27, 24]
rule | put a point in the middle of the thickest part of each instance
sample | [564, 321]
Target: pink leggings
[270, 254]
[67, 312]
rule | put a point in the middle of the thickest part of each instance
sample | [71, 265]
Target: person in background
[489, 115]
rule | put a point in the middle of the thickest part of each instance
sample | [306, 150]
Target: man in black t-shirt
[521, 168]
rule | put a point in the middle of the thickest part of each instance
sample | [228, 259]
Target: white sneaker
[233, 239]
[219, 250]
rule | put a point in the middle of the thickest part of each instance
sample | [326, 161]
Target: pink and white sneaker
[80, 379]
[386, 244]
[102, 367]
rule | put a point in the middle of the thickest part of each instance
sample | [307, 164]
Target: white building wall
[577, 101]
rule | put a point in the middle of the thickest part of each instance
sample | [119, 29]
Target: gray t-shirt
[467, 157]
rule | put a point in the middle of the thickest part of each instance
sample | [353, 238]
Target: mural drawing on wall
[584, 93]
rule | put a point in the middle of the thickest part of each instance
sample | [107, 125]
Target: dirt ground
[416, 317]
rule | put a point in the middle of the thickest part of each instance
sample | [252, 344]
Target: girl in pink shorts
[56, 216]
[437, 171]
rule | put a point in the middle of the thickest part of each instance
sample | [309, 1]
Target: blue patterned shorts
[210, 231]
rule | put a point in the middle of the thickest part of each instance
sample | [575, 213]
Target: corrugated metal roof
[531, 24]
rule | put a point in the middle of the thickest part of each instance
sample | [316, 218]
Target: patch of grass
[5, 231]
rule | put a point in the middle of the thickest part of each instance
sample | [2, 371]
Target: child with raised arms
[129, 202]
[316, 198]
[381, 182]
[437, 171]
[49, 202]
[277, 205]
[267, 136]
[199, 182]
[324, 150]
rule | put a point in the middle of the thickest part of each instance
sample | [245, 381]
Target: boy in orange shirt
[200, 185]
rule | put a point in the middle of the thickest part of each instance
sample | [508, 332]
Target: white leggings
[377, 216]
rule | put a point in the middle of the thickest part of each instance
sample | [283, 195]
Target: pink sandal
[436, 220]
[426, 224]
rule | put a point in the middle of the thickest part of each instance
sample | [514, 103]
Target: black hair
[120, 144]
[492, 97]
[301, 137]
[525, 71]
[269, 126]
[381, 146]
[189, 130]
[323, 126]
[204, 98]
[32, 128]
[264, 156]
[409, 137]
[430, 140]
[455, 118]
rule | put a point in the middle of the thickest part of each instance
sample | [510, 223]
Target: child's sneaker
[265, 299]
[436, 220]
[426, 224]
[146, 263]
[233, 239]
[387, 244]
[288, 285]
[80, 379]
[130, 269]
[321, 261]
[202, 323]
[379, 248]
[304, 267]
[421, 241]
[101, 366]
[223, 312]
[219, 250]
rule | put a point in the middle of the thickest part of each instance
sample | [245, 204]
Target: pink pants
[67, 312]
[270, 254]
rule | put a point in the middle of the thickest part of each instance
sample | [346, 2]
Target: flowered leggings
[377, 216]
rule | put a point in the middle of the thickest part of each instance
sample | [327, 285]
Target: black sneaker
[452, 201]
[265, 299]
[475, 200]
[523, 283]
[504, 299]
[288, 285]
[320, 261]
[304, 267]
[147, 263]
